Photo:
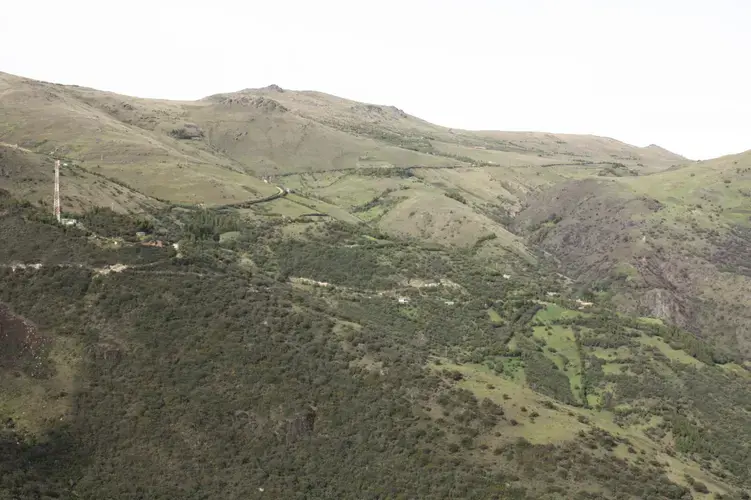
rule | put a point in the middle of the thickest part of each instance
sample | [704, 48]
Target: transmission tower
[57, 191]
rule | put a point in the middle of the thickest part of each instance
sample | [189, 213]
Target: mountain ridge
[307, 101]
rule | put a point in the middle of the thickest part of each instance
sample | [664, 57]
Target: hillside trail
[281, 192]
[105, 270]
[15, 146]
[120, 267]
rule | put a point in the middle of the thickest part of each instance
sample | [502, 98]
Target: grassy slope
[29, 176]
[503, 148]
[122, 138]
[233, 139]
[561, 423]
[265, 131]
[722, 187]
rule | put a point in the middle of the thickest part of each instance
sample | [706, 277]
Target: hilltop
[198, 146]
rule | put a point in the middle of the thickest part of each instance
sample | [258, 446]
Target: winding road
[245, 204]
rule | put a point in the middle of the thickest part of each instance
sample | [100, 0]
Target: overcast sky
[671, 72]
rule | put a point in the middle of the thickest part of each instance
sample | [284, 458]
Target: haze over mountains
[610, 281]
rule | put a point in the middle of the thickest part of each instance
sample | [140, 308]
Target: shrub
[456, 195]
[187, 131]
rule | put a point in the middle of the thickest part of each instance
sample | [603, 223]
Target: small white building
[403, 300]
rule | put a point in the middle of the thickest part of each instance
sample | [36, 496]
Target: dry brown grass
[240, 136]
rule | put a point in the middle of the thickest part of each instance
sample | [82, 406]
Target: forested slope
[321, 360]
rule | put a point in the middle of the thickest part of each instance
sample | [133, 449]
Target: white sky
[672, 72]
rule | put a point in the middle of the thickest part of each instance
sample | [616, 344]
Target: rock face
[261, 103]
[615, 240]
[268, 105]
[662, 304]
[376, 111]
[274, 88]
[188, 131]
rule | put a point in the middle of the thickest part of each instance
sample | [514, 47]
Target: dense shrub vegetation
[215, 374]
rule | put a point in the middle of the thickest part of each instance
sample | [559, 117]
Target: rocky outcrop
[187, 131]
[261, 103]
[607, 237]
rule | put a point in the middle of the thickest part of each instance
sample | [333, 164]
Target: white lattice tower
[58, 216]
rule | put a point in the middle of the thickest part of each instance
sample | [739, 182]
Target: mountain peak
[273, 88]
[666, 152]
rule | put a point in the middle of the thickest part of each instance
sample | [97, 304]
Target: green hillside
[672, 245]
[229, 355]
[285, 294]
